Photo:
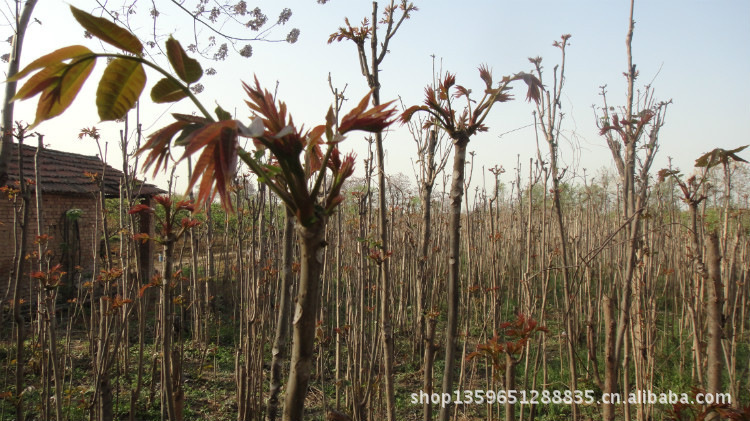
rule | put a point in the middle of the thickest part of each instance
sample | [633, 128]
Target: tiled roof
[65, 173]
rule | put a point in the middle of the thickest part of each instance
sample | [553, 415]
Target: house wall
[54, 208]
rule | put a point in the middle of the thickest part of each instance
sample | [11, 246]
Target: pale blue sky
[699, 49]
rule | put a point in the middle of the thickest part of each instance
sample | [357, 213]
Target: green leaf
[191, 118]
[187, 69]
[705, 160]
[56, 56]
[59, 83]
[719, 156]
[664, 173]
[733, 153]
[222, 114]
[184, 138]
[272, 171]
[41, 81]
[120, 87]
[108, 32]
[167, 90]
[70, 84]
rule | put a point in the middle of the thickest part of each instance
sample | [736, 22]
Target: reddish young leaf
[140, 208]
[262, 102]
[141, 237]
[280, 134]
[616, 128]
[159, 145]
[333, 202]
[356, 34]
[334, 161]
[313, 154]
[142, 290]
[347, 167]
[501, 96]
[409, 113]
[486, 75]
[187, 205]
[218, 161]
[448, 81]
[342, 169]
[189, 222]
[535, 86]
[462, 91]
[92, 132]
[374, 120]
[164, 200]
[42, 239]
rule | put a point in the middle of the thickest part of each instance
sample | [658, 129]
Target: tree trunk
[428, 180]
[454, 267]
[572, 335]
[386, 325]
[510, 384]
[610, 358]
[10, 88]
[17, 276]
[312, 242]
[282, 328]
[715, 304]
[429, 360]
[168, 391]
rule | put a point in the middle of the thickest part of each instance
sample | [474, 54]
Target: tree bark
[10, 88]
[715, 306]
[282, 328]
[17, 276]
[428, 163]
[49, 296]
[510, 384]
[572, 335]
[386, 324]
[168, 391]
[311, 240]
[454, 267]
[429, 360]
[610, 358]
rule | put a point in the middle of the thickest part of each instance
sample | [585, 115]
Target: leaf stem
[183, 87]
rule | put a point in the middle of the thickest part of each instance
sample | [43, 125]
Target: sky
[693, 52]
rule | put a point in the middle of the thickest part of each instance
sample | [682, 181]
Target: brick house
[69, 197]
